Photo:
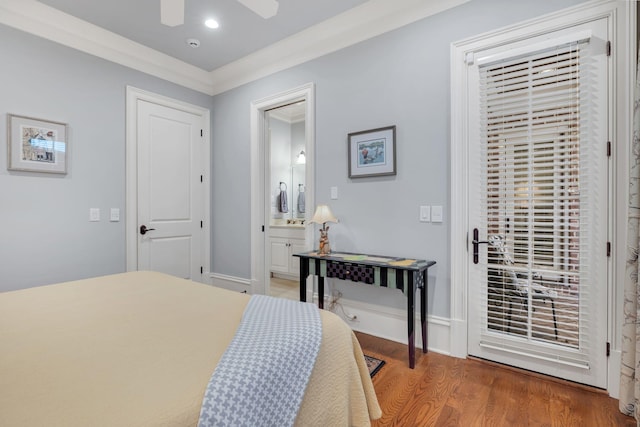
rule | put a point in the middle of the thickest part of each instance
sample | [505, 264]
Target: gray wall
[399, 78]
[45, 233]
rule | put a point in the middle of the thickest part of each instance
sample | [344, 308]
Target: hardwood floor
[447, 391]
[284, 288]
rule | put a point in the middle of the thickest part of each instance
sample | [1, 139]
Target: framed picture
[372, 152]
[36, 145]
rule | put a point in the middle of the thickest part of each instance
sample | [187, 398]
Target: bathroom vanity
[286, 239]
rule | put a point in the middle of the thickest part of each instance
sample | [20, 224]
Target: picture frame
[372, 152]
[36, 145]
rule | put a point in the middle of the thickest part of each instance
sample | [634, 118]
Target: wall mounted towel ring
[283, 205]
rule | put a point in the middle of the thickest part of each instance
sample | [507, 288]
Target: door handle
[144, 229]
[475, 243]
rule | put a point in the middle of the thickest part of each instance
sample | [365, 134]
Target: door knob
[144, 229]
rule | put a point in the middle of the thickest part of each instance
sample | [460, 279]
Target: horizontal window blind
[534, 123]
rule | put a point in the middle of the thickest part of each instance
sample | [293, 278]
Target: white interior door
[538, 181]
[170, 205]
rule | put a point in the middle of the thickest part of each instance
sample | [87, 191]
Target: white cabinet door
[296, 246]
[280, 255]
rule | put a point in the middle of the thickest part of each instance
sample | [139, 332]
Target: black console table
[391, 272]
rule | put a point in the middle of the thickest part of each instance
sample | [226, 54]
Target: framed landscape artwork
[36, 145]
[372, 152]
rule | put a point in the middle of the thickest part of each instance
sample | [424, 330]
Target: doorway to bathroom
[285, 196]
[282, 188]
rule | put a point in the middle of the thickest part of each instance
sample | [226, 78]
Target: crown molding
[363, 22]
[368, 20]
[44, 21]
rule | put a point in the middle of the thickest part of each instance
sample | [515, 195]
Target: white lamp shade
[323, 214]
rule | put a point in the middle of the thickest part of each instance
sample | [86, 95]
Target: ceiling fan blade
[172, 12]
[264, 8]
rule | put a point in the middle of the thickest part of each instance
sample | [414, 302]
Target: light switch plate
[115, 215]
[334, 193]
[425, 213]
[94, 214]
[436, 214]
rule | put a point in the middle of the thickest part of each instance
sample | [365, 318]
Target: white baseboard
[380, 321]
[229, 282]
[458, 337]
[391, 323]
[286, 276]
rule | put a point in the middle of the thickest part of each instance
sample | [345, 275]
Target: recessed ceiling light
[211, 23]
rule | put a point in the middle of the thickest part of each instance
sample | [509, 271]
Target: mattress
[138, 349]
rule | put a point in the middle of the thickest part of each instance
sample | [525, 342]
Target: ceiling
[245, 48]
[241, 31]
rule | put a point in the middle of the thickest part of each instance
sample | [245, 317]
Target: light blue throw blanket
[262, 376]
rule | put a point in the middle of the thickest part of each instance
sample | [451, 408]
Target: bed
[138, 349]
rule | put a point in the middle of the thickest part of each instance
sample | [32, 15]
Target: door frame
[623, 33]
[133, 95]
[260, 250]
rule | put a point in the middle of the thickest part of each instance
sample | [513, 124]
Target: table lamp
[322, 216]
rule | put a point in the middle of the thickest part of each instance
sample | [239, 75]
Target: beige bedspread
[138, 349]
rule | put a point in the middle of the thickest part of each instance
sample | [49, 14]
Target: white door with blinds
[538, 180]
